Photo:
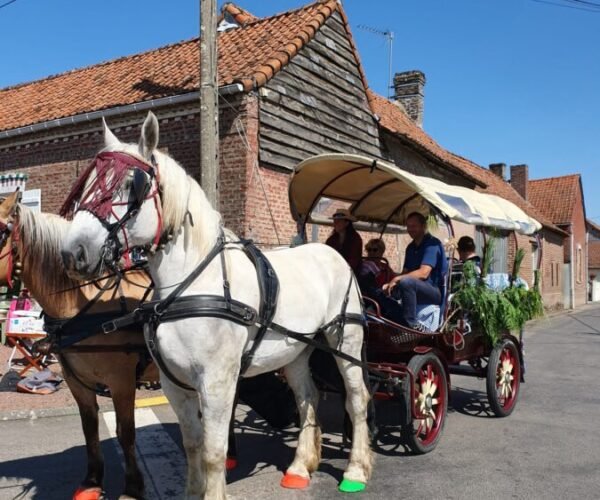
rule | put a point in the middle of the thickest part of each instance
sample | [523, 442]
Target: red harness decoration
[95, 194]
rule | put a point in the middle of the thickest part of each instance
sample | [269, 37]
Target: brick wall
[579, 259]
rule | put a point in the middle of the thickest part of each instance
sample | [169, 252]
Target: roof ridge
[281, 56]
[241, 15]
[314, 3]
[555, 177]
[99, 64]
[252, 22]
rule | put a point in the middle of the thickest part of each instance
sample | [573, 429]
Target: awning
[381, 193]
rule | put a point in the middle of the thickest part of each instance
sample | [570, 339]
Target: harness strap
[151, 342]
[216, 249]
[190, 306]
[268, 284]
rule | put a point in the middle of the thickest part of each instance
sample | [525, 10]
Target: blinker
[139, 188]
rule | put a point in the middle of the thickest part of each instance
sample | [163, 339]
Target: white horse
[205, 353]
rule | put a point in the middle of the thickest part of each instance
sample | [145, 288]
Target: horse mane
[40, 237]
[184, 204]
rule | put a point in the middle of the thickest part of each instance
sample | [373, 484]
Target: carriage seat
[429, 316]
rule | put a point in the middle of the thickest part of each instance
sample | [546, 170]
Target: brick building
[593, 260]
[290, 86]
[560, 199]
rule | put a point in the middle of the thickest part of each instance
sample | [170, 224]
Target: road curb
[74, 410]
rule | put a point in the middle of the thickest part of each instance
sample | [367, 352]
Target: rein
[174, 306]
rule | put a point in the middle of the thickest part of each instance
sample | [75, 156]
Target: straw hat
[343, 213]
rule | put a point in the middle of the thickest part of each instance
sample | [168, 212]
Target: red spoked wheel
[504, 378]
[430, 401]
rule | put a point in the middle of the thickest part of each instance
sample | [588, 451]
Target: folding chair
[20, 342]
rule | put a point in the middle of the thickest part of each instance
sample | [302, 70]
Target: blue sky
[514, 81]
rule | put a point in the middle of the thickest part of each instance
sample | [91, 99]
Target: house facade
[593, 261]
[290, 86]
[561, 200]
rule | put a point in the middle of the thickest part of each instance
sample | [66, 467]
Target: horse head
[115, 205]
[8, 209]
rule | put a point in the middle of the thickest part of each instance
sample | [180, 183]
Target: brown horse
[31, 248]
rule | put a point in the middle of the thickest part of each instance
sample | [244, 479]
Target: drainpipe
[573, 264]
[587, 268]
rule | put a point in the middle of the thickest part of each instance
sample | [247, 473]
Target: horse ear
[9, 204]
[110, 140]
[149, 137]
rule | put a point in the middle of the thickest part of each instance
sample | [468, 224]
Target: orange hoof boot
[231, 463]
[93, 493]
[295, 482]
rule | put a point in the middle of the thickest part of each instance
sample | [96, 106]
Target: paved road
[549, 448]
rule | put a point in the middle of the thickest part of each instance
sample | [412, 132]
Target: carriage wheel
[430, 401]
[503, 378]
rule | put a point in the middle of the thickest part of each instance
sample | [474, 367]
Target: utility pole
[209, 102]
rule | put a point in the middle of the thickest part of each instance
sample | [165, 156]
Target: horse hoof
[295, 482]
[231, 463]
[84, 493]
[349, 486]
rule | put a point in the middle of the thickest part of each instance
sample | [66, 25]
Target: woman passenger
[345, 239]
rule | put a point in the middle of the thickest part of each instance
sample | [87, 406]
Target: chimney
[519, 179]
[499, 169]
[409, 91]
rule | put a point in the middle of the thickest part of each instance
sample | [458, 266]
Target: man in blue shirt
[425, 265]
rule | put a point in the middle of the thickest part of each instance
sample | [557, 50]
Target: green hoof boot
[349, 486]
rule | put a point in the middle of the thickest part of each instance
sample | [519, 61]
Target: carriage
[223, 309]
[404, 364]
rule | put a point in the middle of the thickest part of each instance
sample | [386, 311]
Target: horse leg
[123, 396]
[357, 400]
[88, 412]
[232, 454]
[308, 452]
[217, 398]
[186, 406]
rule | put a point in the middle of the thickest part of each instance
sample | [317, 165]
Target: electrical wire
[566, 6]
[6, 4]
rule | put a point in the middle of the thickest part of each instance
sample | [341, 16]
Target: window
[535, 255]
[33, 199]
[552, 275]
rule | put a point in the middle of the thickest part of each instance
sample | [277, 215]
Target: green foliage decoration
[494, 313]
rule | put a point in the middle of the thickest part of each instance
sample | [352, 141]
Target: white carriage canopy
[381, 193]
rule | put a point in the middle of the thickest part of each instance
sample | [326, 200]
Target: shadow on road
[470, 402]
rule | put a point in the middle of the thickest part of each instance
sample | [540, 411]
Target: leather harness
[174, 307]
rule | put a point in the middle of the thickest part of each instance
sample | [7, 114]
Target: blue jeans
[411, 292]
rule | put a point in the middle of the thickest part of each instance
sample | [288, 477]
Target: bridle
[97, 199]
[8, 230]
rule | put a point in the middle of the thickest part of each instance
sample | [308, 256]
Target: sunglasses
[371, 249]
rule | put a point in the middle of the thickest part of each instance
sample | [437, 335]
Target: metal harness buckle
[109, 327]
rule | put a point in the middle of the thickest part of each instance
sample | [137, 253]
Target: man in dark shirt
[424, 268]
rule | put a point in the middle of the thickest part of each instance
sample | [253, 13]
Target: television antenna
[389, 37]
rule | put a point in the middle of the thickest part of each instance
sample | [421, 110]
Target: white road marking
[162, 462]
